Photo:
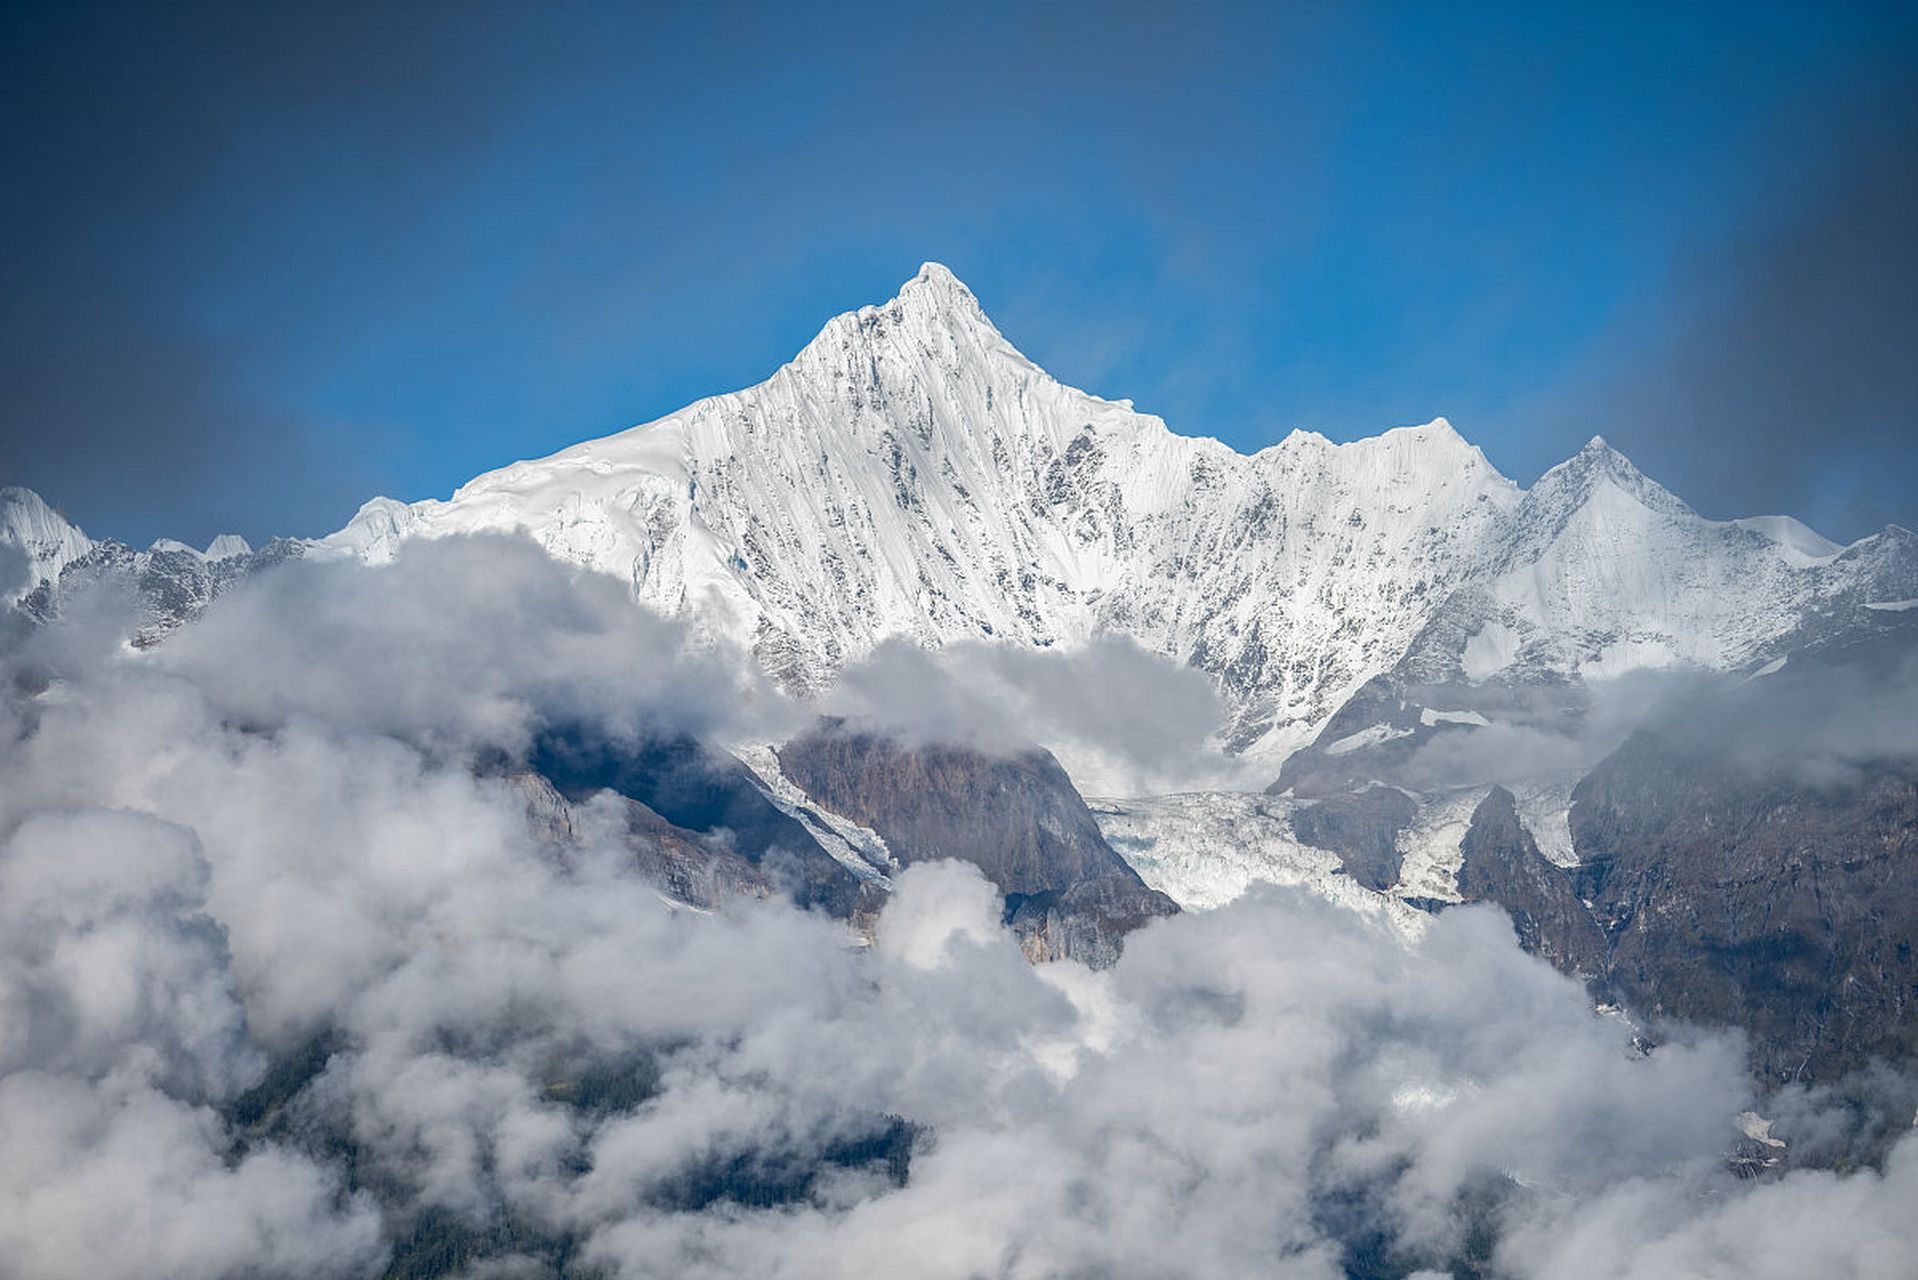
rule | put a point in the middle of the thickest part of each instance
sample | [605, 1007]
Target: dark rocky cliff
[1363, 828]
[1015, 816]
[1758, 899]
[1502, 864]
[684, 791]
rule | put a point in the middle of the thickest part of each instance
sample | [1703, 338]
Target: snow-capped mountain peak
[50, 541]
[226, 546]
[911, 473]
[1576, 481]
[935, 285]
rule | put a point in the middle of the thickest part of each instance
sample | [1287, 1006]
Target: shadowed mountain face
[1757, 899]
[1745, 857]
[682, 788]
[704, 827]
[1502, 864]
[1362, 827]
[1017, 817]
[1746, 860]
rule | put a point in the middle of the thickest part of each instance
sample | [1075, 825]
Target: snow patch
[861, 850]
[1366, 737]
[1430, 718]
[1757, 1128]
[1545, 810]
[1429, 851]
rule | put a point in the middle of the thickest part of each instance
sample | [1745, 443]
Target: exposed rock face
[701, 870]
[1746, 860]
[1016, 817]
[1087, 922]
[1759, 900]
[1502, 864]
[702, 826]
[1362, 827]
[713, 826]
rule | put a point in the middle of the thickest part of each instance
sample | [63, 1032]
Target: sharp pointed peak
[1598, 452]
[20, 495]
[936, 288]
[937, 274]
[932, 301]
[226, 546]
[1597, 461]
[40, 529]
[1438, 430]
[21, 506]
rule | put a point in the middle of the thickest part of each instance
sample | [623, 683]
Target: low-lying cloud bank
[288, 989]
[1121, 719]
[1817, 718]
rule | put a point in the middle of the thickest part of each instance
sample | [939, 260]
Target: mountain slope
[911, 473]
[48, 539]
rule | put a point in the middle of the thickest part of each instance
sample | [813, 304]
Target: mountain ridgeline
[1426, 656]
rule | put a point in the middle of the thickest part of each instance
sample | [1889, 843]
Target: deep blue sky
[264, 263]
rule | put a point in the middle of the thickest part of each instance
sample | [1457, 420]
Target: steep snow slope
[169, 581]
[50, 542]
[911, 473]
[1605, 572]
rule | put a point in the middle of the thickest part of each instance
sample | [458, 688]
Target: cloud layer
[1122, 719]
[287, 988]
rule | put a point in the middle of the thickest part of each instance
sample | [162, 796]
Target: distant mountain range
[1374, 614]
[910, 473]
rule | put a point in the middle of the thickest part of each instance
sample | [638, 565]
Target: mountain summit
[911, 473]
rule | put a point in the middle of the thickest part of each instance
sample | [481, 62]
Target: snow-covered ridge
[911, 473]
[51, 542]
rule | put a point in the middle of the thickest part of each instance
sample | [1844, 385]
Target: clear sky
[264, 261]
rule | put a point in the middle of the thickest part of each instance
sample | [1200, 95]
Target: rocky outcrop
[698, 870]
[1502, 864]
[1363, 828]
[1015, 816]
[1758, 899]
[703, 823]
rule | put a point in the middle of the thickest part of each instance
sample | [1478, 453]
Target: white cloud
[210, 854]
[1121, 719]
